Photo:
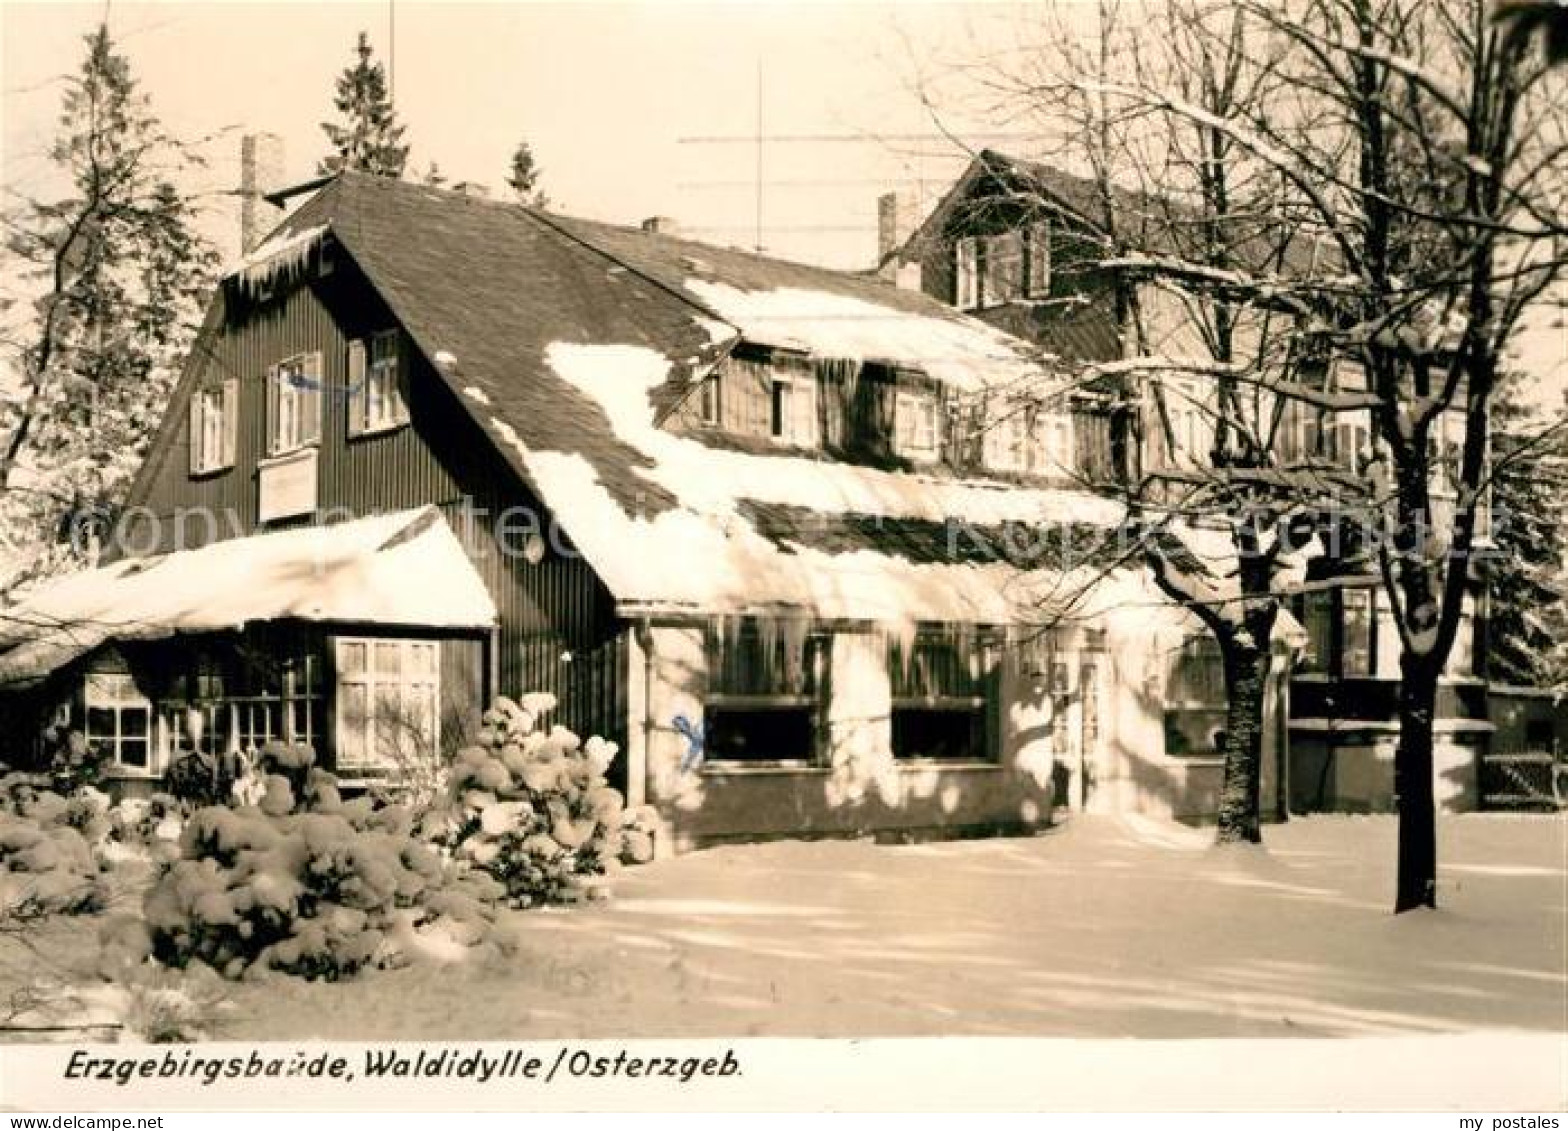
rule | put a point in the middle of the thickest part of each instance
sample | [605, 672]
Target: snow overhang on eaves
[405, 570]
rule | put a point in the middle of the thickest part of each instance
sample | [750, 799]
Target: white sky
[604, 93]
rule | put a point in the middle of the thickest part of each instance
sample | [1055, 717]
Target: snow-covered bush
[638, 827]
[48, 858]
[151, 825]
[199, 778]
[71, 761]
[533, 808]
[302, 882]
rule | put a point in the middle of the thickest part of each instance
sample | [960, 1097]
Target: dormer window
[793, 411]
[1002, 272]
[917, 434]
[1025, 437]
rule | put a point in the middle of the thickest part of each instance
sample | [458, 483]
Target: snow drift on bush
[533, 808]
[308, 884]
[48, 862]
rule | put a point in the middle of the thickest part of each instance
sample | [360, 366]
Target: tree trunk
[1413, 786]
[1246, 678]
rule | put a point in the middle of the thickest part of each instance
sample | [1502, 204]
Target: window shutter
[403, 370]
[272, 410]
[964, 273]
[310, 402]
[231, 420]
[193, 425]
[356, 387]
[1040, 260]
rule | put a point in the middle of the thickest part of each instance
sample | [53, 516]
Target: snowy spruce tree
[367, 137]
[106, 303]
[1528, 626]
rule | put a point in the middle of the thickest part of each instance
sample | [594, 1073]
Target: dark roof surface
[493, 286]
[488, 290]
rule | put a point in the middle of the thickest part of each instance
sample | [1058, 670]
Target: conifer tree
[1528, 627]
[367, 137]
[524, 177]
[105, 306]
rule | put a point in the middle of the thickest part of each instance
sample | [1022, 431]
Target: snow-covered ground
[1107, 927]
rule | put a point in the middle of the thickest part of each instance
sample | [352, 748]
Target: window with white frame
[119, 720]
[966, 273]
[377, 397]
[294, 404]
[792, 411]
[214, 414]
[916, 428]
[388, 693]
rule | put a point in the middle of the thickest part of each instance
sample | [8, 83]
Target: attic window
[214, 416]
[1002, 269]
[294, 404]
[377, 384]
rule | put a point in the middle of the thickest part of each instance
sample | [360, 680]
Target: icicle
[279, 258]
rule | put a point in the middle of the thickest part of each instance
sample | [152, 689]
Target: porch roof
[405, 569]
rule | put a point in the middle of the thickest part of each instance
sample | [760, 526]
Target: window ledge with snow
[749, 769]
[966, 765]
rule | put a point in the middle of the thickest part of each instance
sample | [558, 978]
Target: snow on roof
[706, 553]
[280, 255]
[406, 568]
[966, 353]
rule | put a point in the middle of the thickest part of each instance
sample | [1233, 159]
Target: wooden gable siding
[553, 609]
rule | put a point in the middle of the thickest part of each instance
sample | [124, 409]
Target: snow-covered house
[1021, 245]
[744, 517]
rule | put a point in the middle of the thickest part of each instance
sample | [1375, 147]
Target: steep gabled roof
[1150, 223]
[561, 336]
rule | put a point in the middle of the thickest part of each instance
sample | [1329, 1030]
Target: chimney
[472, 189]
[261, 172]
[892, 230]
[661, 225]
